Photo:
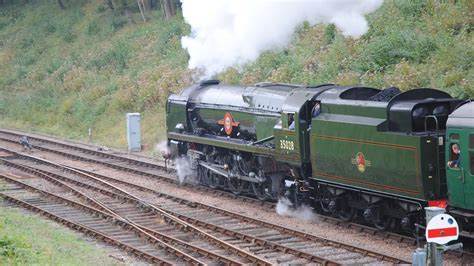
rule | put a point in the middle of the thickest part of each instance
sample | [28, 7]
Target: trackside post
[441, 228]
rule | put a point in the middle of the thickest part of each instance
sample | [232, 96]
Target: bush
[49, 26]
[413, 9]
[100, 9]
[27, 58]
[26, 42]
[384, 51]
[458, 53]
[12, 250]
[93, 28]
[329, 34]
[20, 73]
[67, 34]
[116, 57]
[53, 65]
[117, 21]
[119, 56]
[122, 100]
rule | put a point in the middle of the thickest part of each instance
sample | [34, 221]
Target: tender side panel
[349, 150]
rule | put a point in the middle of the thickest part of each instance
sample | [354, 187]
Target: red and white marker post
[442, 229]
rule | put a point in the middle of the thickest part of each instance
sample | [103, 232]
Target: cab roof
[463, 116]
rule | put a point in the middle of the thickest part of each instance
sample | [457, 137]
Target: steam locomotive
[380, 155]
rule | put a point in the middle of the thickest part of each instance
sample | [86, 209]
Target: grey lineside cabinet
[133, 132]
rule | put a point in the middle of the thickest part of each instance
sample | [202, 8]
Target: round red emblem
[228, 123]
[361, 162]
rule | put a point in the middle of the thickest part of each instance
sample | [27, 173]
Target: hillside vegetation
[64, 71]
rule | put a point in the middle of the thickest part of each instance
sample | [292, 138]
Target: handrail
[438, 171]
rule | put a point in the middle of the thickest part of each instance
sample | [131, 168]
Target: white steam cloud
[285, 208]
[228, 33]
[163, 149]
[181, 164]
[183, 169]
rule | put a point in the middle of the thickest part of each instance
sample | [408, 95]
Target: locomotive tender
[343, 150]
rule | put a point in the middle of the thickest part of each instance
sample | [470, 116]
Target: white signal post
[442, 229]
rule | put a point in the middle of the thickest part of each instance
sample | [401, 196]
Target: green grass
[65, 71]
[29, 240]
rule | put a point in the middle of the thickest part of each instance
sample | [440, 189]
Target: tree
[110, 4]
[143, 8]
[61, 5]
[127, 11]
[168, 8]
[147, 5]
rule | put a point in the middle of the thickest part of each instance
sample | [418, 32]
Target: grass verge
[27, 239]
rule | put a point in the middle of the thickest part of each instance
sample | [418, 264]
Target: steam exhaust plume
[162, 149]
[181, 164]
[285, 208]
[228, 33]
[183, 169]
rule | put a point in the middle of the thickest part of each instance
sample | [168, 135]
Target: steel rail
[76, 147]
[170, 249]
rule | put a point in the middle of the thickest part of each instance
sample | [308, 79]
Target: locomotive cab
[292, 135]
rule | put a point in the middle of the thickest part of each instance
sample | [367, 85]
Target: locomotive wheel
[383, 223]
[325, 198]
[346, 215]
[259, 191]
[203, 174]
[236, 186]
[214, 180]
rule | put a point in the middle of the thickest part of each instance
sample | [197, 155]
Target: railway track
[155, 170]
[283, 245]
[55, 145]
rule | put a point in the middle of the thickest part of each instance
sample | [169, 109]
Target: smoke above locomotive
[227, 33]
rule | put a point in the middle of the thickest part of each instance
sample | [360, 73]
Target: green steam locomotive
[349, 151]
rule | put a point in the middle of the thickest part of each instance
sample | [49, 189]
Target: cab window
[316, 110]
[454, 159]
[291, 121]
[454, 136]
[471, 141]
